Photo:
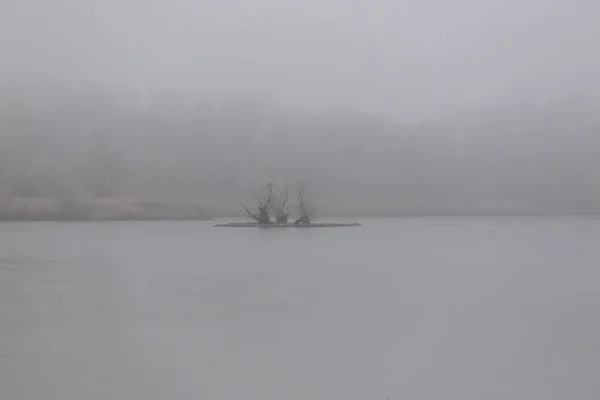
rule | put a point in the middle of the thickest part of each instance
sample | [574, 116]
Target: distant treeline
[76, 145]
[62, 209]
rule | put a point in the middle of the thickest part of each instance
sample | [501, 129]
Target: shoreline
[100, 209]
[9, 219]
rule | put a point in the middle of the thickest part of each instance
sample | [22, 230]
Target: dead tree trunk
[305, 209]
[280, 205]
[264, 206]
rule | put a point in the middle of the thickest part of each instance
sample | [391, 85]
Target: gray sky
[409, 59]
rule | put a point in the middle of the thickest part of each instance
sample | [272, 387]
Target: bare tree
[264, 206]
[305, 208]
[281, 206]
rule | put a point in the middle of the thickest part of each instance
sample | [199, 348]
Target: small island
[273, 210]
[274, 225]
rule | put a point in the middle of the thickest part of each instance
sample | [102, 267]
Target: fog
[165, 110]
[387, 107]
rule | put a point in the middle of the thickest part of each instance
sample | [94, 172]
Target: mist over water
[446, 112]
[78, 147]
[386, 108]
[419, 308]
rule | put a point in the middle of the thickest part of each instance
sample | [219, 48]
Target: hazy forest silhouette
[68, 152]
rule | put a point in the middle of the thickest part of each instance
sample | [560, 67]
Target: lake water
[396, 309]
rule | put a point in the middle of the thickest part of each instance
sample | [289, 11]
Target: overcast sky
[408, 59]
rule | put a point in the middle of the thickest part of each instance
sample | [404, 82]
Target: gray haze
[161, 109]
[403, 58]
[430, 107]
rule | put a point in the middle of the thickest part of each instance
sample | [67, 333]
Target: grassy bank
[48, 209]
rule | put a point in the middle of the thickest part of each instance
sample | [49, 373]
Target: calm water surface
[396, 309]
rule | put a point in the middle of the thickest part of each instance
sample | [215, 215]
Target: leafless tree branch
[281, 206]
[305, 208]
[264, 206]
